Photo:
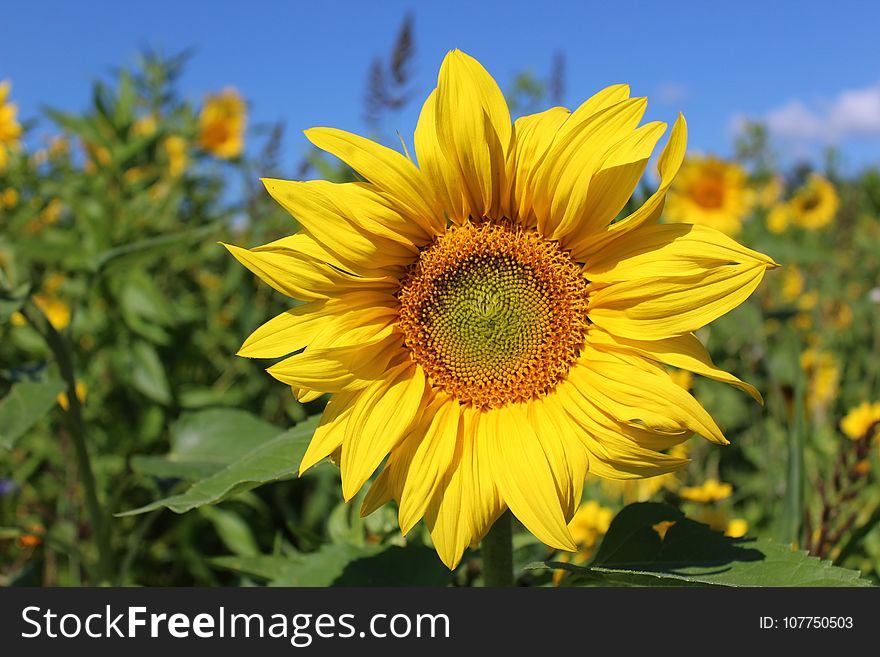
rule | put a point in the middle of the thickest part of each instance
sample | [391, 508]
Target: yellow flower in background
[779, 218]
[719, 519]
[711, 192]
[9, 198]
[793, 283]
[711, 490]
[81, 392]
[222, 123]
[589, 524]
[176, 149]
[770, 193]
[56, 311]
[823, 376]
[860, 420]
[10, 128]
[814, 205]
[481, 322]
[736, 528]
[145, 126]
[50, 214]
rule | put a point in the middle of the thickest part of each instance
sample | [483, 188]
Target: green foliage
[633, 553]
[25, 404]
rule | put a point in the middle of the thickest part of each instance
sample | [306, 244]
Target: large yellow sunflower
[480, 321]
[712, 192]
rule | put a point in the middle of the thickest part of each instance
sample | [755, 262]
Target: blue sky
[812, 69]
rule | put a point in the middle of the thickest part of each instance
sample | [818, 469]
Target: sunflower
[481, 322]
[222, 123]
[712, 192]
[814, 205]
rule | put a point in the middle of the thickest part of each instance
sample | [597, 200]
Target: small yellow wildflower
[56, 311]
[860, 420]
[222, 123]
[10, 128]
[737, 528]
[81, 392]
[792, 284]
[144, 126]
[778, 218]
[711, 490]
[49, 214]
[9, 198]
[823, 373]
[720, 520]
[176, 148]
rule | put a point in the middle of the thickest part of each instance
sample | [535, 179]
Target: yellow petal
[430, 463]
[467, 503]
[664, 307]
[613, 184]
[685, 352]
[383, 414]
[669, 250]
[640, 396]
[441, 173]
[533, 135]
[331, 429]
[298, 327]
[573, 159]
[588, 246]
[391, 173]
[321, 208]
[565, 453]
[474, 131]
[299, 276]
[524, 476]
[335, 369]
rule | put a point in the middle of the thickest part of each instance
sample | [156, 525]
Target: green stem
[497, 548]
[62, 353]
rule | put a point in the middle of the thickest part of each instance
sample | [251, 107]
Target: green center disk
[489, 317]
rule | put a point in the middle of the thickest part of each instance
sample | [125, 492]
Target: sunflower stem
[497, 549]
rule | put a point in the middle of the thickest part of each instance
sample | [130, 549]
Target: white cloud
[852, 113]
[670, 93]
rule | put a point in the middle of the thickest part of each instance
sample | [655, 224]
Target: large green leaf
[272, 461]
[207, 441]
[346, 565]
[634, 553]
[23, 406]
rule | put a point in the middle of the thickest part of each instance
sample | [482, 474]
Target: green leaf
[634, 554]
[151, 246]
[148, 374]
[207, 441]
[346, 565]
[12, 300]
[25, 404]
[232, 530]
[272, 461]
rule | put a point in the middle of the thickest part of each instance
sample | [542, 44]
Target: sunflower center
[494, 313]
[709, 193]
